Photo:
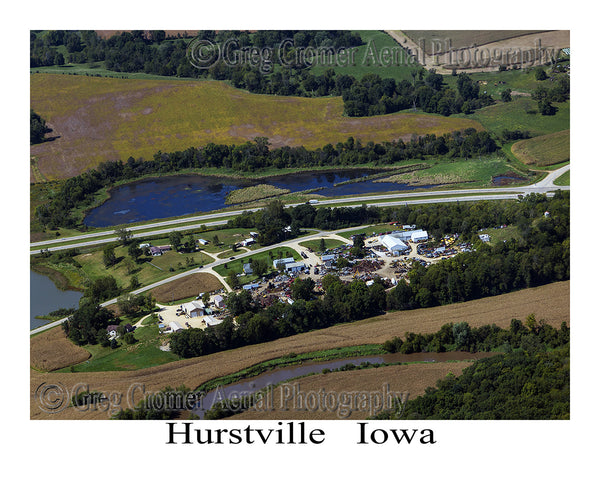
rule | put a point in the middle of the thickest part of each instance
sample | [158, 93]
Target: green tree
[505, 95]
[109, 258]
[37, 128]
[322, 245]
[135, 251]
[259, 267]
[175, 239]
[124, 235]
[303, 289]
[233, 280]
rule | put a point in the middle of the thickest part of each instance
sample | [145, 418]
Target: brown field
[186, 287]
[51, 350]
[99, 119]
[412, 379]
[508, 42]
[549, 302]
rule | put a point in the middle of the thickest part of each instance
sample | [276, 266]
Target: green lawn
[315, 245]
[512, 116]
[564, 180]
[499, 235]
[544, 150]
[372, 57]
[142, 354]
[149, 271]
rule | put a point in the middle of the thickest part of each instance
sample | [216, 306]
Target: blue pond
[45, 297]
[182, 195]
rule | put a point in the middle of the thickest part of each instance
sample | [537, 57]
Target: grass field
[550, 302]
[512, 116]
[99, 119]
[500, 235]
[150, 271]
[544, 150]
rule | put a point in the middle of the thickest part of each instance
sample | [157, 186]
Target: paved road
[197, 270]
[501, 193]
[544, 186]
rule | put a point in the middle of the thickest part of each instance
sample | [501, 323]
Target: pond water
[186, 194]
[45, 297]
[247, 387]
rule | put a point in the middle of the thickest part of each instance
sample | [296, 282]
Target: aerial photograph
[299, 225]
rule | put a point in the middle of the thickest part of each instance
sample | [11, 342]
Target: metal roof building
[394, 244]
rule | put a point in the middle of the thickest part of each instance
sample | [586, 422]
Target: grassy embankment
[315, 245]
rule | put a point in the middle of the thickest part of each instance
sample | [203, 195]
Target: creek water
[179, 195]
[45, 297]
[247, 387]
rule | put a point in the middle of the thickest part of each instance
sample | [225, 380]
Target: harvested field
[52, 350]
[549, 302]
[186, 287]
[544, 150]
[412, 379]
[99, 119]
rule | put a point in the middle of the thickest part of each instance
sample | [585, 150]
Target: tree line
[527, 384]
[79, 191]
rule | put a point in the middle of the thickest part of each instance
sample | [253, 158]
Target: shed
[328, 258]
[211, 321]
[201, 241]
[175, 326]
[219, 301]
[251, 286]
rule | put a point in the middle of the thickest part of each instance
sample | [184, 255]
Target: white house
[201, 241]
[394, 245]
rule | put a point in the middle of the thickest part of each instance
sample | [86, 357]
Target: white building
[419, 236]
[175, 326]
[194, 308]
[394, 245]
[201, 241]
[211, 321]
[284, 261]
[219, 301]
[294, 267]
[484, 237]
